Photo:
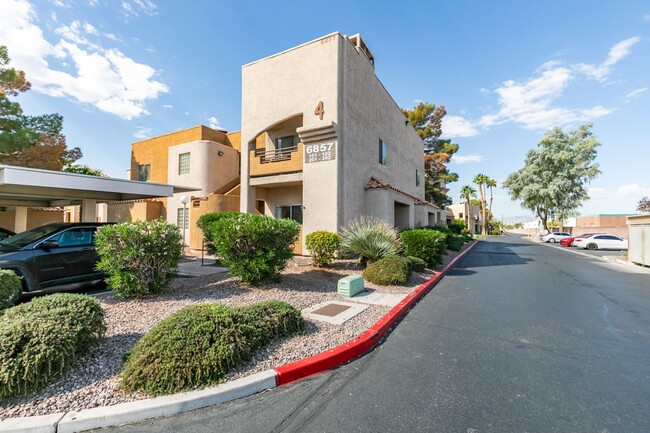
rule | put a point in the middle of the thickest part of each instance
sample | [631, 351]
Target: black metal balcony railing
[275, 155]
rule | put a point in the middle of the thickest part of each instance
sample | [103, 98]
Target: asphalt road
[519, 337]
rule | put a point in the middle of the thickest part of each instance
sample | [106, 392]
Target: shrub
[254, 247]
[369, 239]
[416, 263]
[40, 339]
[428, 245]
[323, 247]
[389, 271]
[455, 242]
[10, 288]
[198, 345]
[457, 226]
[140, 257]
[205, 224]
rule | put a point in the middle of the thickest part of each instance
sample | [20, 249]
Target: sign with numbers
[320, 152]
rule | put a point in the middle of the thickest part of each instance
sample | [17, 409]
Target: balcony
[265, 162]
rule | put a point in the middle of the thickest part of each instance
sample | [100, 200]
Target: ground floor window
[183, 219]
[293, 212]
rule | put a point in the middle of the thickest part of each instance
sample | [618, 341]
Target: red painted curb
[345, 352]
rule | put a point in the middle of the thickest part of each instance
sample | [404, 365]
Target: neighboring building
[639, 242]
[473, 213]
[322, 142]
[613, 224]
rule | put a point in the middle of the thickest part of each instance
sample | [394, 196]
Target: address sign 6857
[320, 152]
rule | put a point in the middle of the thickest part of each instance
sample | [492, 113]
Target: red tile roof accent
[375, 183]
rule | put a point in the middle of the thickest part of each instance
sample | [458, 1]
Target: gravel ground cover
[94, 379]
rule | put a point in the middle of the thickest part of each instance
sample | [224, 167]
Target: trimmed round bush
[457, 226]
[139, 258]
[205, 224]
[254, 247]
[416, 263]
[198, 345]
[39, 340]
[428, 245]
[10, 288]
[369, 239]
[389, 271]
[323, 247]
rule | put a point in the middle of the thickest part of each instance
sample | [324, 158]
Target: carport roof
[20, 186]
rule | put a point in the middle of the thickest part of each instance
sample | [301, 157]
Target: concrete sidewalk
[198, 267]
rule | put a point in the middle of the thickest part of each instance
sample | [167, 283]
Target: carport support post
[20, 221]
[88, 211]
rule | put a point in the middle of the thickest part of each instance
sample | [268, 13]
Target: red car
[571, 242]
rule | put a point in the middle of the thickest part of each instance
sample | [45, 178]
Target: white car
[603, 242]
[555, 237]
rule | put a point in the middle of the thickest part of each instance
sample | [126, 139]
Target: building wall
[35, 218]
[369, 114]
[135, 211]
[475, 212]
[202, 206]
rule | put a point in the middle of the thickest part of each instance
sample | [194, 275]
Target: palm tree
[480, 180]
[491, 183]
[467, 192]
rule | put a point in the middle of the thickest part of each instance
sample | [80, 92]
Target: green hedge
[323, 247]
[254, 247]
[140, 257]
[205, 224]
[198, 345]
[10, 288]
[39, 340]
[389, 271]
[428, 245]
[416, 263]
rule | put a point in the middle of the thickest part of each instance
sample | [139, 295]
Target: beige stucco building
[321, 141]
[471, 213]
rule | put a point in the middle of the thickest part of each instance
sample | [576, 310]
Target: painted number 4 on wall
[320, 152]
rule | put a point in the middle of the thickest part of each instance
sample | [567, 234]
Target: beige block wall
[35, 218]
[199, 207]
[135, 211]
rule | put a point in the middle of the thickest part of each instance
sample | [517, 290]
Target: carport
[22, 188]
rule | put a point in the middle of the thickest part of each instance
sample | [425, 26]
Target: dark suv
[53, 256]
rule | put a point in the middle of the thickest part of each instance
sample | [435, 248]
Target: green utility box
[350, 285]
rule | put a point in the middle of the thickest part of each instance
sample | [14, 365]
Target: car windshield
[29, 236]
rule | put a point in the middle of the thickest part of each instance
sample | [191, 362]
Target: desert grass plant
[40, 339]
[198, 345]
[139, 258]
[255, 248]
[369, 239]
[323, 247]
[10, 288]
[429, 245]
[388, 271]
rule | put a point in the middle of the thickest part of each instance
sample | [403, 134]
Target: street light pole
[185, 200]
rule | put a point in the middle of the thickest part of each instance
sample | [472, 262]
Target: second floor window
[383, 152]
[144, 172]
[286, 142]
[184, 163]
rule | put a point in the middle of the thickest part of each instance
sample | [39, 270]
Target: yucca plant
[369, 239]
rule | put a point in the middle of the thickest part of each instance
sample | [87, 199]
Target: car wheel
[552, 240]
[592, 246]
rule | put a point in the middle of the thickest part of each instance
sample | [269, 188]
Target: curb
[140, 410]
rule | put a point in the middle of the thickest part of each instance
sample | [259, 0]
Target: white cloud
[136, 7]
[464, 159]
[647, 17]
[617, 53]
[168, 106]
[213, 123]
[622, 199]
[635, 93]
[104, 78]
[142, 132]
[457, 126]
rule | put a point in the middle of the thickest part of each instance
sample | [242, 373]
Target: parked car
[555, 237]
[603, 242]
[570, 242]
[53, 256]
[4, 233]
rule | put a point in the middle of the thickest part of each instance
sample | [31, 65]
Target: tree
[83, 169]
[480, 180]
[644, 205]
[426, 118]
[29, 141]
[467, 192]
[554, 176]
[490, 183]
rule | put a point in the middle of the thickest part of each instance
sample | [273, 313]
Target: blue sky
[507, 71]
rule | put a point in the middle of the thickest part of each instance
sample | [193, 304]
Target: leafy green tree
[29, 141]
[467, 193]
[83, 169]
[555, 175]
[644, 205]
[426, 118]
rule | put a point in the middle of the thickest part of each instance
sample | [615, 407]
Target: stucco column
[247, 198]
[88, 211]
[20, 222]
